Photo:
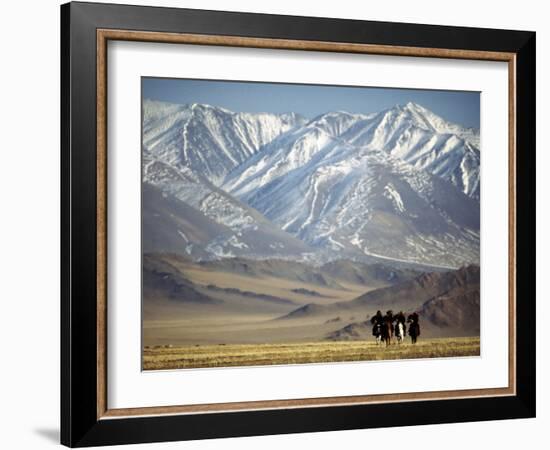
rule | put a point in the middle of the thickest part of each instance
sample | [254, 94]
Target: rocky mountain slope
[400, 186]
[434, 295]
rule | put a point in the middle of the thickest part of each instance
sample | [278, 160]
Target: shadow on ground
[50, 434]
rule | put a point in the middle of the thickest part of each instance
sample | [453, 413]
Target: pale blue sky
[310, 100]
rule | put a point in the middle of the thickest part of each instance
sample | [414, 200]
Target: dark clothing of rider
[413, 318]
[414, 327]
[377, 318]
[376, 321]
[400, 318]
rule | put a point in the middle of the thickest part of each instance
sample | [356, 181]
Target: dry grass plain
[201, 356]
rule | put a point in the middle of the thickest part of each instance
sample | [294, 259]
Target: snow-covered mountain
[402, 184]
[185, 213]
[424, 140]
[208, 140]
[410, 133]
[334, 195]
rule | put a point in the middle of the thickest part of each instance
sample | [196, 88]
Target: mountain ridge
[416, 294]
[401, 184]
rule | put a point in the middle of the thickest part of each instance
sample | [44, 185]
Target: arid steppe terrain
[239, 312]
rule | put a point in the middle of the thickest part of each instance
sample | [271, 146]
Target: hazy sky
[310, 100]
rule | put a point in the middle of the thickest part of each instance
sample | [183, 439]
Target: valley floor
[161, 357]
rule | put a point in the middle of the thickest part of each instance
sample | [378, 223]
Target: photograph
[296, 223]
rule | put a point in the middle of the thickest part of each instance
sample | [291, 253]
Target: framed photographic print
[276, 224]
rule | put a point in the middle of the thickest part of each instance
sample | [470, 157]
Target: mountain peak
[206, 108]
[415, 107]
[331, 115]
[411, 108]
[334, 123]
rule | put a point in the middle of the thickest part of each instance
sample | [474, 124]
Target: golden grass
[179, 357]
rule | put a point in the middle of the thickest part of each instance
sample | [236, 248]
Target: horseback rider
[376, 321]
[414, 327]
[400, 319]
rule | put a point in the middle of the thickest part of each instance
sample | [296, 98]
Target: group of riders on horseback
[385, 327]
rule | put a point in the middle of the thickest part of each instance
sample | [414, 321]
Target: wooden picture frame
[86, 418]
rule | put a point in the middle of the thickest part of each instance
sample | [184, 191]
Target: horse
[400, 332]
[377, 333]
[387, 332]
